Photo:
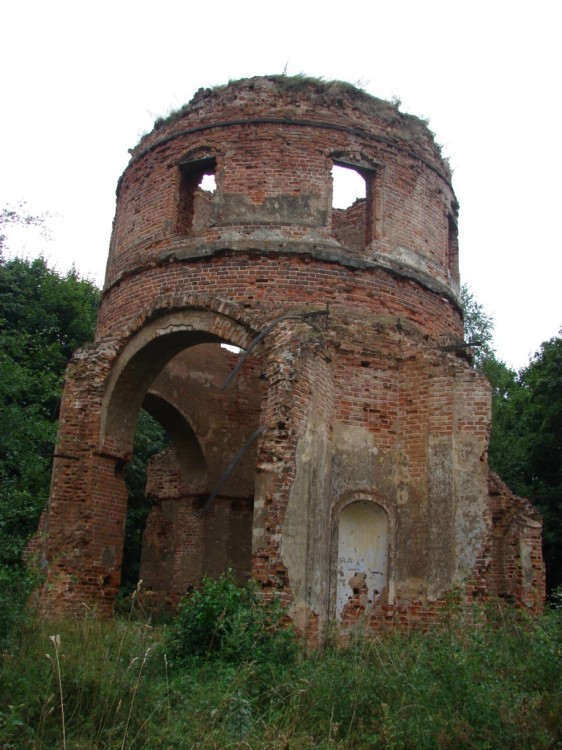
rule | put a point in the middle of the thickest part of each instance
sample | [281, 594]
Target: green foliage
[479, 680]
[230, 622]
[478, 326]
[543, 380]
[526, 439]
[43, 317]
[16, 586]
[542, 383]
[150, 438]
[106, 671]
[510, 438]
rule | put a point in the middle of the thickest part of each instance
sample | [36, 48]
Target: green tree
[526, 439]
[478, 327]
[542, 382]
[510, 437]
[150, 438]
[44, 316]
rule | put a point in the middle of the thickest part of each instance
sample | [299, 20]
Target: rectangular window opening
[453, 247]
[353, 209]
[197, 191]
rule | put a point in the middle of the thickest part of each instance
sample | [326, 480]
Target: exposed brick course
[371, 400]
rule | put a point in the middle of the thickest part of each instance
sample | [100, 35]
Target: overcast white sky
[83, 81]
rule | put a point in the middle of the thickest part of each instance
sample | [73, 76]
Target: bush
[471, 683]
[233, 623]
[16, 586]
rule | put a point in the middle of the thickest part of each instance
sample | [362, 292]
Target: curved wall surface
[353, 390]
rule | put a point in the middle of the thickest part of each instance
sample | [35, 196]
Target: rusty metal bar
[304, 316]
[229, 469]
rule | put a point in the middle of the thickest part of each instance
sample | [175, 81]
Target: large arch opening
[176, 373]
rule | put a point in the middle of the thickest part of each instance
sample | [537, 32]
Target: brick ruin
[339, 454]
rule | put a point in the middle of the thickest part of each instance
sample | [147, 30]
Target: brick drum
[344, 466]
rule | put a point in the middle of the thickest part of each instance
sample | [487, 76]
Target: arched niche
[363, 552]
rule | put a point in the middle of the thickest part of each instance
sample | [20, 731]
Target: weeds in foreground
[57, 643]
[493, 680]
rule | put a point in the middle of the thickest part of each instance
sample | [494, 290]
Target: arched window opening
[196, 196]
[362, 561]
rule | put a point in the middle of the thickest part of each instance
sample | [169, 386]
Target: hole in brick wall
[232, 348]
[365, 363]
[196, 196]
[348, 186]
[208, 183]
[199, 503]
[120, 466]
[353, 209]
[453, 247]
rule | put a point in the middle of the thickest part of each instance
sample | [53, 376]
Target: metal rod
[262, 334]
[229, 469]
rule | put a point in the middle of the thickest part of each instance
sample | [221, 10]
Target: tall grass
[492, 680]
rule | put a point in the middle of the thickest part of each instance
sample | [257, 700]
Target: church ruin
[337, 451]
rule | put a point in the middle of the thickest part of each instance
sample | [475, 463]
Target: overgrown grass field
[223, 674]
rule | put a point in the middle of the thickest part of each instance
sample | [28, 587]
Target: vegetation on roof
[405, 127]
[286, 84]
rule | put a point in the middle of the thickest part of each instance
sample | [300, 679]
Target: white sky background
[82, 81]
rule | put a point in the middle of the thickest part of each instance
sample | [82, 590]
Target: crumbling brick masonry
[345, 464]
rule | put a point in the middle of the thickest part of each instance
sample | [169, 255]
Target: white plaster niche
[362, 553]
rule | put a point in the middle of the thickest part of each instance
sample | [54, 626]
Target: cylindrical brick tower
[344, 465]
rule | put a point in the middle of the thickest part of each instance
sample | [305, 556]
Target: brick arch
[164, 330]
[172, 302]
[94, 450]
[182, 435]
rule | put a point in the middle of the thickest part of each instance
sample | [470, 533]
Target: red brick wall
[349, 226]
[375, 399]
[274, 152]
